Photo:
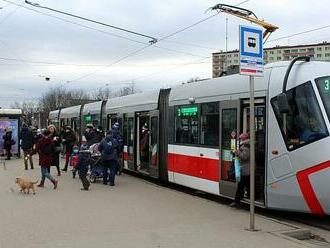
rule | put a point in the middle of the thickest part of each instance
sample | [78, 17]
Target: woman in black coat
[7, 143]
[56, 155]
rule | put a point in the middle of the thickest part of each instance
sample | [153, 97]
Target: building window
[319, 49]
[327, 55]
[294, 50]
[210, 124]
[279, 58]
[229, 56]
[271, 58]
[279, 51]
[235, 61]
[271, 52]
[304, 121]
[186, 124]
[319, 55]
[236, 55]
[327, 48]
[302, 50]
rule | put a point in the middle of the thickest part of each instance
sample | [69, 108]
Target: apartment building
[229, 61]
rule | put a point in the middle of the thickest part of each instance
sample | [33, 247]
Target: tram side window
[186, 124]
[210, 124]
[304, 122]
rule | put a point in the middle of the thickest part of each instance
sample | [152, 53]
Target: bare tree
[102, 94]
[128, 90]
[29, 110]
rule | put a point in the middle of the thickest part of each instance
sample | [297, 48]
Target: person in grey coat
[243, 153]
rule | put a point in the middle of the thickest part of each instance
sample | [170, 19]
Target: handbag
[237, 166]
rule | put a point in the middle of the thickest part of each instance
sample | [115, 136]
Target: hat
[84, 147]
[115, 126]
[244, 138]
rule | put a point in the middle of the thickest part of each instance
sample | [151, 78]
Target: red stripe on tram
[204, 168]
[307, 188]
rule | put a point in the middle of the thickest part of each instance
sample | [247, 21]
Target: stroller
[96, 167]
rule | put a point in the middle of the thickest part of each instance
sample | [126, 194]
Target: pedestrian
[69, 140]
[91, 135]
[62, 132]
[84, 157]
[56, 154]
[27, 142]
[99, 133]
[243, 154]
[117, 135]
[37, 135]
[109, 156]
[8, 142]
[46, 148]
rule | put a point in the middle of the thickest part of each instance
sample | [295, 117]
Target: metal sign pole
[252, 155]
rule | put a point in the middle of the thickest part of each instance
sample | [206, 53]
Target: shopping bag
[237, 166]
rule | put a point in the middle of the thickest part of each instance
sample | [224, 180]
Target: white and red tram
[192, 129]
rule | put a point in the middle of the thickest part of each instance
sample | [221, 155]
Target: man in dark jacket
[91, 135]
[82, 166]
[69, 140]
[46, 149]
[109, 155]
[27, 141]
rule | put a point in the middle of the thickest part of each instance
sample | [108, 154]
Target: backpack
[109, 148]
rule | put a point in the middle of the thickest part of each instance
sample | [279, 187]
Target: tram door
[154, 144]
[130, 141]
[229, 132]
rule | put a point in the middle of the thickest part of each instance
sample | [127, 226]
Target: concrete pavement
[135, 213]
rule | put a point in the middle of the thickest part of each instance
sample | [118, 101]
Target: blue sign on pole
[251, 51]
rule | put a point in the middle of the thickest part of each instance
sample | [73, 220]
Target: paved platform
[135, 213]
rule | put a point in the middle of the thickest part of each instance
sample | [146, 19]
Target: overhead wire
[153, 39]
[299, 33]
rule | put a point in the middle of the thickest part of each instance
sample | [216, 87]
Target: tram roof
[222, 88]
[144, 101]
[70, 112]
[92, 108]
[53, 114]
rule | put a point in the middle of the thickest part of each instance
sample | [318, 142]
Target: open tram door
[154, 144]
[129, 141]
[229, 133]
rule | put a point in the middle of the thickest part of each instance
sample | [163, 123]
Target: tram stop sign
[251, 51]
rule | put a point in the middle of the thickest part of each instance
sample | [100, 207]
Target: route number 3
[327, 85]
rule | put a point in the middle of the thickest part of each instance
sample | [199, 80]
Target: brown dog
[26, 185]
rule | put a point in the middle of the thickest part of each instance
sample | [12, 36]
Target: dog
[26, 185]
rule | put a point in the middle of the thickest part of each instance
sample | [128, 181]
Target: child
[82, 166]
[74, 160]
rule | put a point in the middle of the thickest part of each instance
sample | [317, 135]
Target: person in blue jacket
[82, 166]
[109, 155]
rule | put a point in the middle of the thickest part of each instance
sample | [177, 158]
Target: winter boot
[55, 182]
[41, 184]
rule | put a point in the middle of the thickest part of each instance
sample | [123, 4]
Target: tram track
[321, 222]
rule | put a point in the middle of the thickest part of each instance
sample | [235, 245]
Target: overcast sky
[84, 57]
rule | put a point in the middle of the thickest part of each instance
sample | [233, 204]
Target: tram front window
[304, 123]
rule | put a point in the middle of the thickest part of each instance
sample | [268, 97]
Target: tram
[192, 130]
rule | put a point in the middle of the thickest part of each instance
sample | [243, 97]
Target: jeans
[112, 165]
[28, 156]
[45, 174]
